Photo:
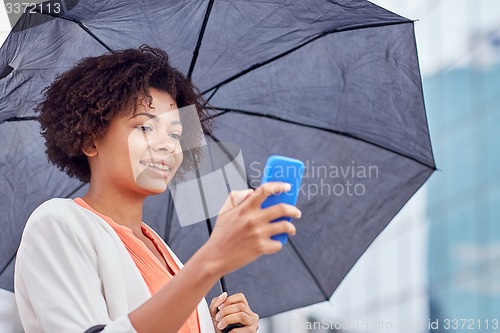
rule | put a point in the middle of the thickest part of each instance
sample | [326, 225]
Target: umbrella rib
[281, 55]
[325, 294]
[211, 95]
[81, 24]
[200, 38]
[19, 119]
[345, 134]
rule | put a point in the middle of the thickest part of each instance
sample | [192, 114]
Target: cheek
[135, 148]
[137, 145]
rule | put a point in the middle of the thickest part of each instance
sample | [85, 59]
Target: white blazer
[73, 272]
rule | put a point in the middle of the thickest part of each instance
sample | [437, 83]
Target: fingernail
[217, 316]
[300, 214]
[221, 306]
[288, 187]
[220, 325]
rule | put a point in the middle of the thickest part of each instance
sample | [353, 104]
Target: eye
[175, 136]
[145, 128]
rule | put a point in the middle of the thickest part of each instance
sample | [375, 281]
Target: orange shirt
[153, 272]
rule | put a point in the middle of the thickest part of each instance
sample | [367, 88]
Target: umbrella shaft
[222, 281]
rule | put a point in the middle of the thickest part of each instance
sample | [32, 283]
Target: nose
[164, 143]
[166, 146]
[161, 143]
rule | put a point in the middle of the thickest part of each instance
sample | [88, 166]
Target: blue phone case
[288, 170]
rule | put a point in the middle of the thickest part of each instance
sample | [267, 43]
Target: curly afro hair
[78, 106]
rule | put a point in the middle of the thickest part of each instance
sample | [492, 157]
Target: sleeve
[57, 275]
[9, 316]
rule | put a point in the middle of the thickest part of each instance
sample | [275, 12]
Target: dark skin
[242, 233]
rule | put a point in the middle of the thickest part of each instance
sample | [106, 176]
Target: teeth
[158, 166]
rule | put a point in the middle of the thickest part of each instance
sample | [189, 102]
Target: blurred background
[436, 267]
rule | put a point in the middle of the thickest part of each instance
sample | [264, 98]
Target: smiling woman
[121, 121]
[101, 88]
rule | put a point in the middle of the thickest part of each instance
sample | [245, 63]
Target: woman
[91, 264]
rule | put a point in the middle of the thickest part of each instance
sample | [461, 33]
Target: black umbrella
[335, 84]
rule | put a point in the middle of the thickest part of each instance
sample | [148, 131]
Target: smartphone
[287, 170]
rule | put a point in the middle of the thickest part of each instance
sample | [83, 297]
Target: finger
[216, 301]
[236, 298]
[233, 309]
[271, 246]
[226, 310]
[280, 210]
[280, 227]
[267, 189]
[240, 317]
[252, 321]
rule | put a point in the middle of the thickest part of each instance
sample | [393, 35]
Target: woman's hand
[243, 230]
[233, 309]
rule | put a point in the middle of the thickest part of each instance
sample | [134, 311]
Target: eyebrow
[155, 118]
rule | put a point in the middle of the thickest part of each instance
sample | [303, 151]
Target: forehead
[162, 104]
[171, 116]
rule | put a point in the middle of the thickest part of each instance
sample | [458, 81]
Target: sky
[446, 30]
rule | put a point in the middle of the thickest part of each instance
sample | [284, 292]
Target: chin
[152, 187]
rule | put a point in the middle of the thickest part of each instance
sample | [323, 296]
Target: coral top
[153, 272]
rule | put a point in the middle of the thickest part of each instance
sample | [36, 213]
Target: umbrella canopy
[333, 83]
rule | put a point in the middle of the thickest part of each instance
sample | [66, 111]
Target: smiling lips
[158, 165]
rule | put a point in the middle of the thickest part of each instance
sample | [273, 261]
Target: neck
[122, 207]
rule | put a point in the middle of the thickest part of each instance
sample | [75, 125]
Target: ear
[90, 150]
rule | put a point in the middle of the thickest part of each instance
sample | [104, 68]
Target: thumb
[216, 301]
